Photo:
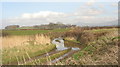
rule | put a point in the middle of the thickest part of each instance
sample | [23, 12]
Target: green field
[31, 32]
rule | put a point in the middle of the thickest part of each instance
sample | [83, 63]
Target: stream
[59, 42]
[60, 46]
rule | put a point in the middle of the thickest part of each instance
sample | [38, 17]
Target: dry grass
[0, 42]
[70, 38]
[11, 41]
[20, 48]
[25, 52]
[42, 39]
[102, 51]
[0, 51]
[89, 57]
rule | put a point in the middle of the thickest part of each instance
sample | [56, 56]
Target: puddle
[75, 48]
[59, 42]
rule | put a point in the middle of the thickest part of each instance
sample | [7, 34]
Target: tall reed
[11, 41]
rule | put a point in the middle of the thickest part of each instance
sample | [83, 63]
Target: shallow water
[75, 48]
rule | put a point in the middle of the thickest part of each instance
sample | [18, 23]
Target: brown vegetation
[4, 34]
[102, 27]
[103, 51]
[11, 41]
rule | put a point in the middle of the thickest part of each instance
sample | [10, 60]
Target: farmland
[31, 32]
[27, 47]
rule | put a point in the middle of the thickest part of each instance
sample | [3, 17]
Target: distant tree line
[99, 27]
[53, 26]
[12, 27]
[47, 26]
[57, 25]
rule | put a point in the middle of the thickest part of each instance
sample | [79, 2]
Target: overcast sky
[90, 12]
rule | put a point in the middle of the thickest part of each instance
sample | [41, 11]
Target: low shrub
[4, 34]
[86, 37]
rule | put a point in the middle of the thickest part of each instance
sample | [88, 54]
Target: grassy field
[17, 49]
[100, 50]
[31, 32]
[102, 30]
[21, 53]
